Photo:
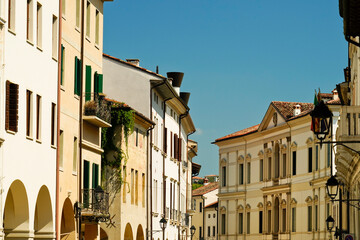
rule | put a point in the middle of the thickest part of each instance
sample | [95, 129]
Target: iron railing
[98, 107]
[95, 204]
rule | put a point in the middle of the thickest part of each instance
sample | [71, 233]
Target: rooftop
[205, 189]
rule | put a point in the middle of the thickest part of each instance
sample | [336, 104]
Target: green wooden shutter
[62, 65]
[76, 81]
[88, 83]
[79, 77]
[100, 83]
[95, 175]
[86, 178]
[96, 80]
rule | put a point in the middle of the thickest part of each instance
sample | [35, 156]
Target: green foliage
[196, 185]
[122, 118]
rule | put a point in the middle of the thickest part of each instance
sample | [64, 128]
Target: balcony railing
[95, 204]
[99, 108]
[185, 219]
[349, 121]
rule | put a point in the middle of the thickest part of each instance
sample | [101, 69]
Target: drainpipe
[148, 162]
[57, 184]
[80, 110]
[203, 218]
[187, 177]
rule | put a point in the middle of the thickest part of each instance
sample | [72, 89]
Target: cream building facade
[272, 177]
[28, 103]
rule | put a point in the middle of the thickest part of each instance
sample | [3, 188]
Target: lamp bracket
[341, 143]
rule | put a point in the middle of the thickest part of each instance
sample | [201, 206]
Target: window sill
[2, 21]
[77, 29]
[53, 146]
[29, 138]
[39, 141]
[39, 48]
[74, 173]
[61, 169]
[11, 132]
[54, 58]
[97, 46]
[12, 31]
[88, 39]
[62, 88]
[77, 97]
[29, 42]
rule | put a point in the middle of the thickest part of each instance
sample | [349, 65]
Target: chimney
[185, 97]
[297, 110]
[206, 181]
[177, 78]
[134, 61]
[335, 94]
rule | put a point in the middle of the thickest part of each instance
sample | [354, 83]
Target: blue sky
[237, 55]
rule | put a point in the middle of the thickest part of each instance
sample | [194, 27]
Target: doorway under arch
[43, 221]
[128, 235]
[67, 228]
[139, 233]
[16, 211]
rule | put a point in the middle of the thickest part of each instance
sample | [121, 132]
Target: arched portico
[43, 221]
[139, 233]
[67, 229]
[128, 235]
[16, 212]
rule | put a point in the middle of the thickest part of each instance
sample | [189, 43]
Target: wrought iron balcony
[98, 111]
[95, 205]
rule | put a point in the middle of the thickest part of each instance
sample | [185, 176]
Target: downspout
[148, 163]
[203, 218]
[290, 169]
[57, 184]
[80, 111]
[180, 163]
[187, 177]
[150, 143]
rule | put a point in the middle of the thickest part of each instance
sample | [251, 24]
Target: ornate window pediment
[260, 205]
[283, 202]
[222, 208]
[316, 198]
[223, 161]
[268, 204]
[248, 157]
[240, 207]
[268, 151]
[241, 158]
[283, 147]
[309, 141]
[261, 154]
[293, 201]
[308, 199]
[248, 207]
[293, 145]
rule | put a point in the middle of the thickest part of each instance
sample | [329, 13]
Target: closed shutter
[165, 140]
[100, 83]
[62, 65]
[76, 76]
[176, 146]
[95, 175]
[171, 144]
[96, 83]
[12, 100]
[7, 108]
[88, 83]
[180, 143]
[86, 174]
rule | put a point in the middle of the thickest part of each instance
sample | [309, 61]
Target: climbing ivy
[122, 121]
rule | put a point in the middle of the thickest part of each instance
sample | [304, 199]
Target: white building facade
[28, 107]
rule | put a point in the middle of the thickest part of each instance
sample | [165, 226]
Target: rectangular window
[12, 101]
[61, 149]
[75, 146]
[309, 228]
[294, 163]
[316, 218]
[86, 183]
[241, 174]
[310, 159]
[260, 221]
[78, 13]
[62, 65]
[316, 157]
[29, 20]
[223, 224]
[97, 27]
[284, 220]
[63, 7]
[223, 176]
[200, 207]
[132, 186]
[209, 231]
[284, 165]
[54, 36]
[269, 221]
[200, 232]
[29, 114]
[136, 130]
[241, 223]
[136, 187]
[95, 175]
[87, 83]
[327, 210]
[269, 168]
[328, 162]
[38, 117]
[77, 76]
[39, 25]
[261, 170]
[293, 219]
[248, 223]
[214, 231]
[88, 19]
[248, 172]
[143, 196]
[124, 173]
[11, 15]
[53, 119]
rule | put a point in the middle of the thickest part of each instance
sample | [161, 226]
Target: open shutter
[76, 76]
[100, 83]
[62, 65]
[171, 144]
[13, 107]
[96, 83]
[7, 108]
[176, 146]
[88, 83]
[165, 141]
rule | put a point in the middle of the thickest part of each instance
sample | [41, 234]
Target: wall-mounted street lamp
[321, 121]
[163, 224]
[332, 187]
[192, 231]
[330, 223]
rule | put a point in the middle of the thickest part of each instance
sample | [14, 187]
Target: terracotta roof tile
[334, 102]
[214, 204]
[205, 189]
[240, 133]
[286, 109]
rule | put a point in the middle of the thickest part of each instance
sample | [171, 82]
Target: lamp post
[192, 231]
[330, 222]
[163, 224]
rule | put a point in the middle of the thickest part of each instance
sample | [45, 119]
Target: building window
[309, 228]
[62, 70]
[214, 215]
[29, 20]
[209, 231]
[54, 36]
[224, 176]
[284, 220]
[87, 83]
[200, 232]
[78, 13]
[269, 221]
[63, 7]
[248, 223]
[12, 101]
[124, 185]
[95, 175]
[293, 219]
[132, 186]
[208, 215]
[261, 170]
[294, 163]
[97, 27]
[53, 120]
[310, 159]
[39, 25]
[316, 218]
[136, 130]
[241, 223]
[38, 117]
[200, 207]
[29, 115]
[77, 76]
[284, 165]
[136, 187]
[316, 157]
[248, 172]
[223, 224]
[88, 19]
[75, 146]
[214, 231]
[260, 221]
[61, 149]
[11, 15]
[241, 173]
[269, 168]
[328, 162]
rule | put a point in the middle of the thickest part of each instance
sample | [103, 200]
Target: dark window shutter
[86, 174]
[62, 65]
[180, 143]
[96, 83]
[176, 147]
[12, 100]
[88, 83]
[100, 83]
[7, 108]
[171, 144]
[76, 76]
[95, 175]
[165, 140]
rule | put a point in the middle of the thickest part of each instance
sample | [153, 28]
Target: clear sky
[237, 55]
